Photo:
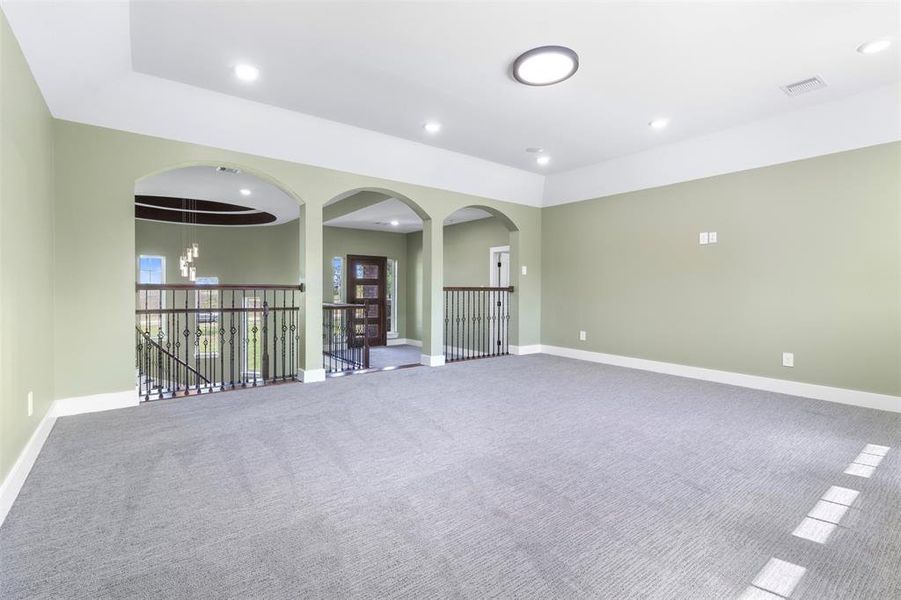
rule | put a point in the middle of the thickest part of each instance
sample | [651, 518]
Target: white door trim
[492, 263]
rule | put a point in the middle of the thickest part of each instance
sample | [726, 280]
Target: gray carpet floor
[394, 356]
[514, 477]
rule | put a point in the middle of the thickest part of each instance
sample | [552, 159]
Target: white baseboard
[781, 386]
[530, 349]
[311, 375]
[11, 486]
[405, 342]
[63, 407]
[94, 403]
[432, 361]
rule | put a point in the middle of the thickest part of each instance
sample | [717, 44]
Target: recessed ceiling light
[658, 123]
[245, 192]
[246, 72]
[395, 223]
[874, 46]
[543, 160]
[546, 65]
[432, 126]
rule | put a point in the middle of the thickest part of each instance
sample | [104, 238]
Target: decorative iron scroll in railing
[345, 345]
[191, 339]
[476, 322]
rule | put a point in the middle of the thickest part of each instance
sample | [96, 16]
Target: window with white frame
[337, 278]
[151, 269]
[391, 297]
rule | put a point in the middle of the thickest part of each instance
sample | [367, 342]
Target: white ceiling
[389, 66]
[205, 183]
[367, 75]
[378, 217]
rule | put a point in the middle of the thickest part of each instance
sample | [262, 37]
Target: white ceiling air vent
[228, 170]
[802, 87]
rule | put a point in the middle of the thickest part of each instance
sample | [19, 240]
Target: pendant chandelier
[192, 249]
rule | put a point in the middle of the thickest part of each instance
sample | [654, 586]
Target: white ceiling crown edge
[116, 97]
[119, 98]
[865, 119]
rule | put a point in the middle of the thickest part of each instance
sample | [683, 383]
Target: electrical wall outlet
[711, 237]
[524, 270]
[788, 359]
[30, 403]
[703, 238]
[583, 336]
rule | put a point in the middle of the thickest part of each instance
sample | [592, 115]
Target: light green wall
[466, 247]
[266, 254]
[96, 170]
[808, 261]
[338, 241]
[26, 251]
[466, 251]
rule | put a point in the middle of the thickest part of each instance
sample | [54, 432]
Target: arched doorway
[479, 300]
[217, 289]
[372, 281]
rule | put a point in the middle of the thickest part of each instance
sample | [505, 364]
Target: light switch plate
[788, 359]
[711, 237]
[583, 336]
[30, 403]
[524, 270]
[703, 238]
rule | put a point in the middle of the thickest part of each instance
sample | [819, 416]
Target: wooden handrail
[338, 305]
[478, 289]
[218, 286]
[198, 311]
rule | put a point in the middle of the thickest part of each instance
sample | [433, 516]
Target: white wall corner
[529, 349]
[311, 375]
[94, 403]
[780, 386]
[16, 477]
[432, 361]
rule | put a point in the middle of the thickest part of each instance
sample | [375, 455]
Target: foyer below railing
[192, 339]
[345, 343]
[476, 322]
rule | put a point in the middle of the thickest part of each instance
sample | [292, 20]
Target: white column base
[432, 361]
[311, 375]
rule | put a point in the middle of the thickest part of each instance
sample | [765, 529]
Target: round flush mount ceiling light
[658, 123]
[432, 126]
[874, 46]
[546, 65]
[246, 72]
[543, 160]
[245, 192]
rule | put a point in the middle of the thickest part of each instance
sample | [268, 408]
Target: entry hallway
[527, 477]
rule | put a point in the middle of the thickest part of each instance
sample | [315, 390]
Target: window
[151, 269]
[337, 278]
[208, 322]
[391, 297]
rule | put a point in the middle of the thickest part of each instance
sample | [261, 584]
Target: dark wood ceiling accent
[202, 218]
[189, 204]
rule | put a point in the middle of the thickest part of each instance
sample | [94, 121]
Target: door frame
[492, 264]
[383, 290]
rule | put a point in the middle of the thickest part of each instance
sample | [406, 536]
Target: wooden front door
[366, 284]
